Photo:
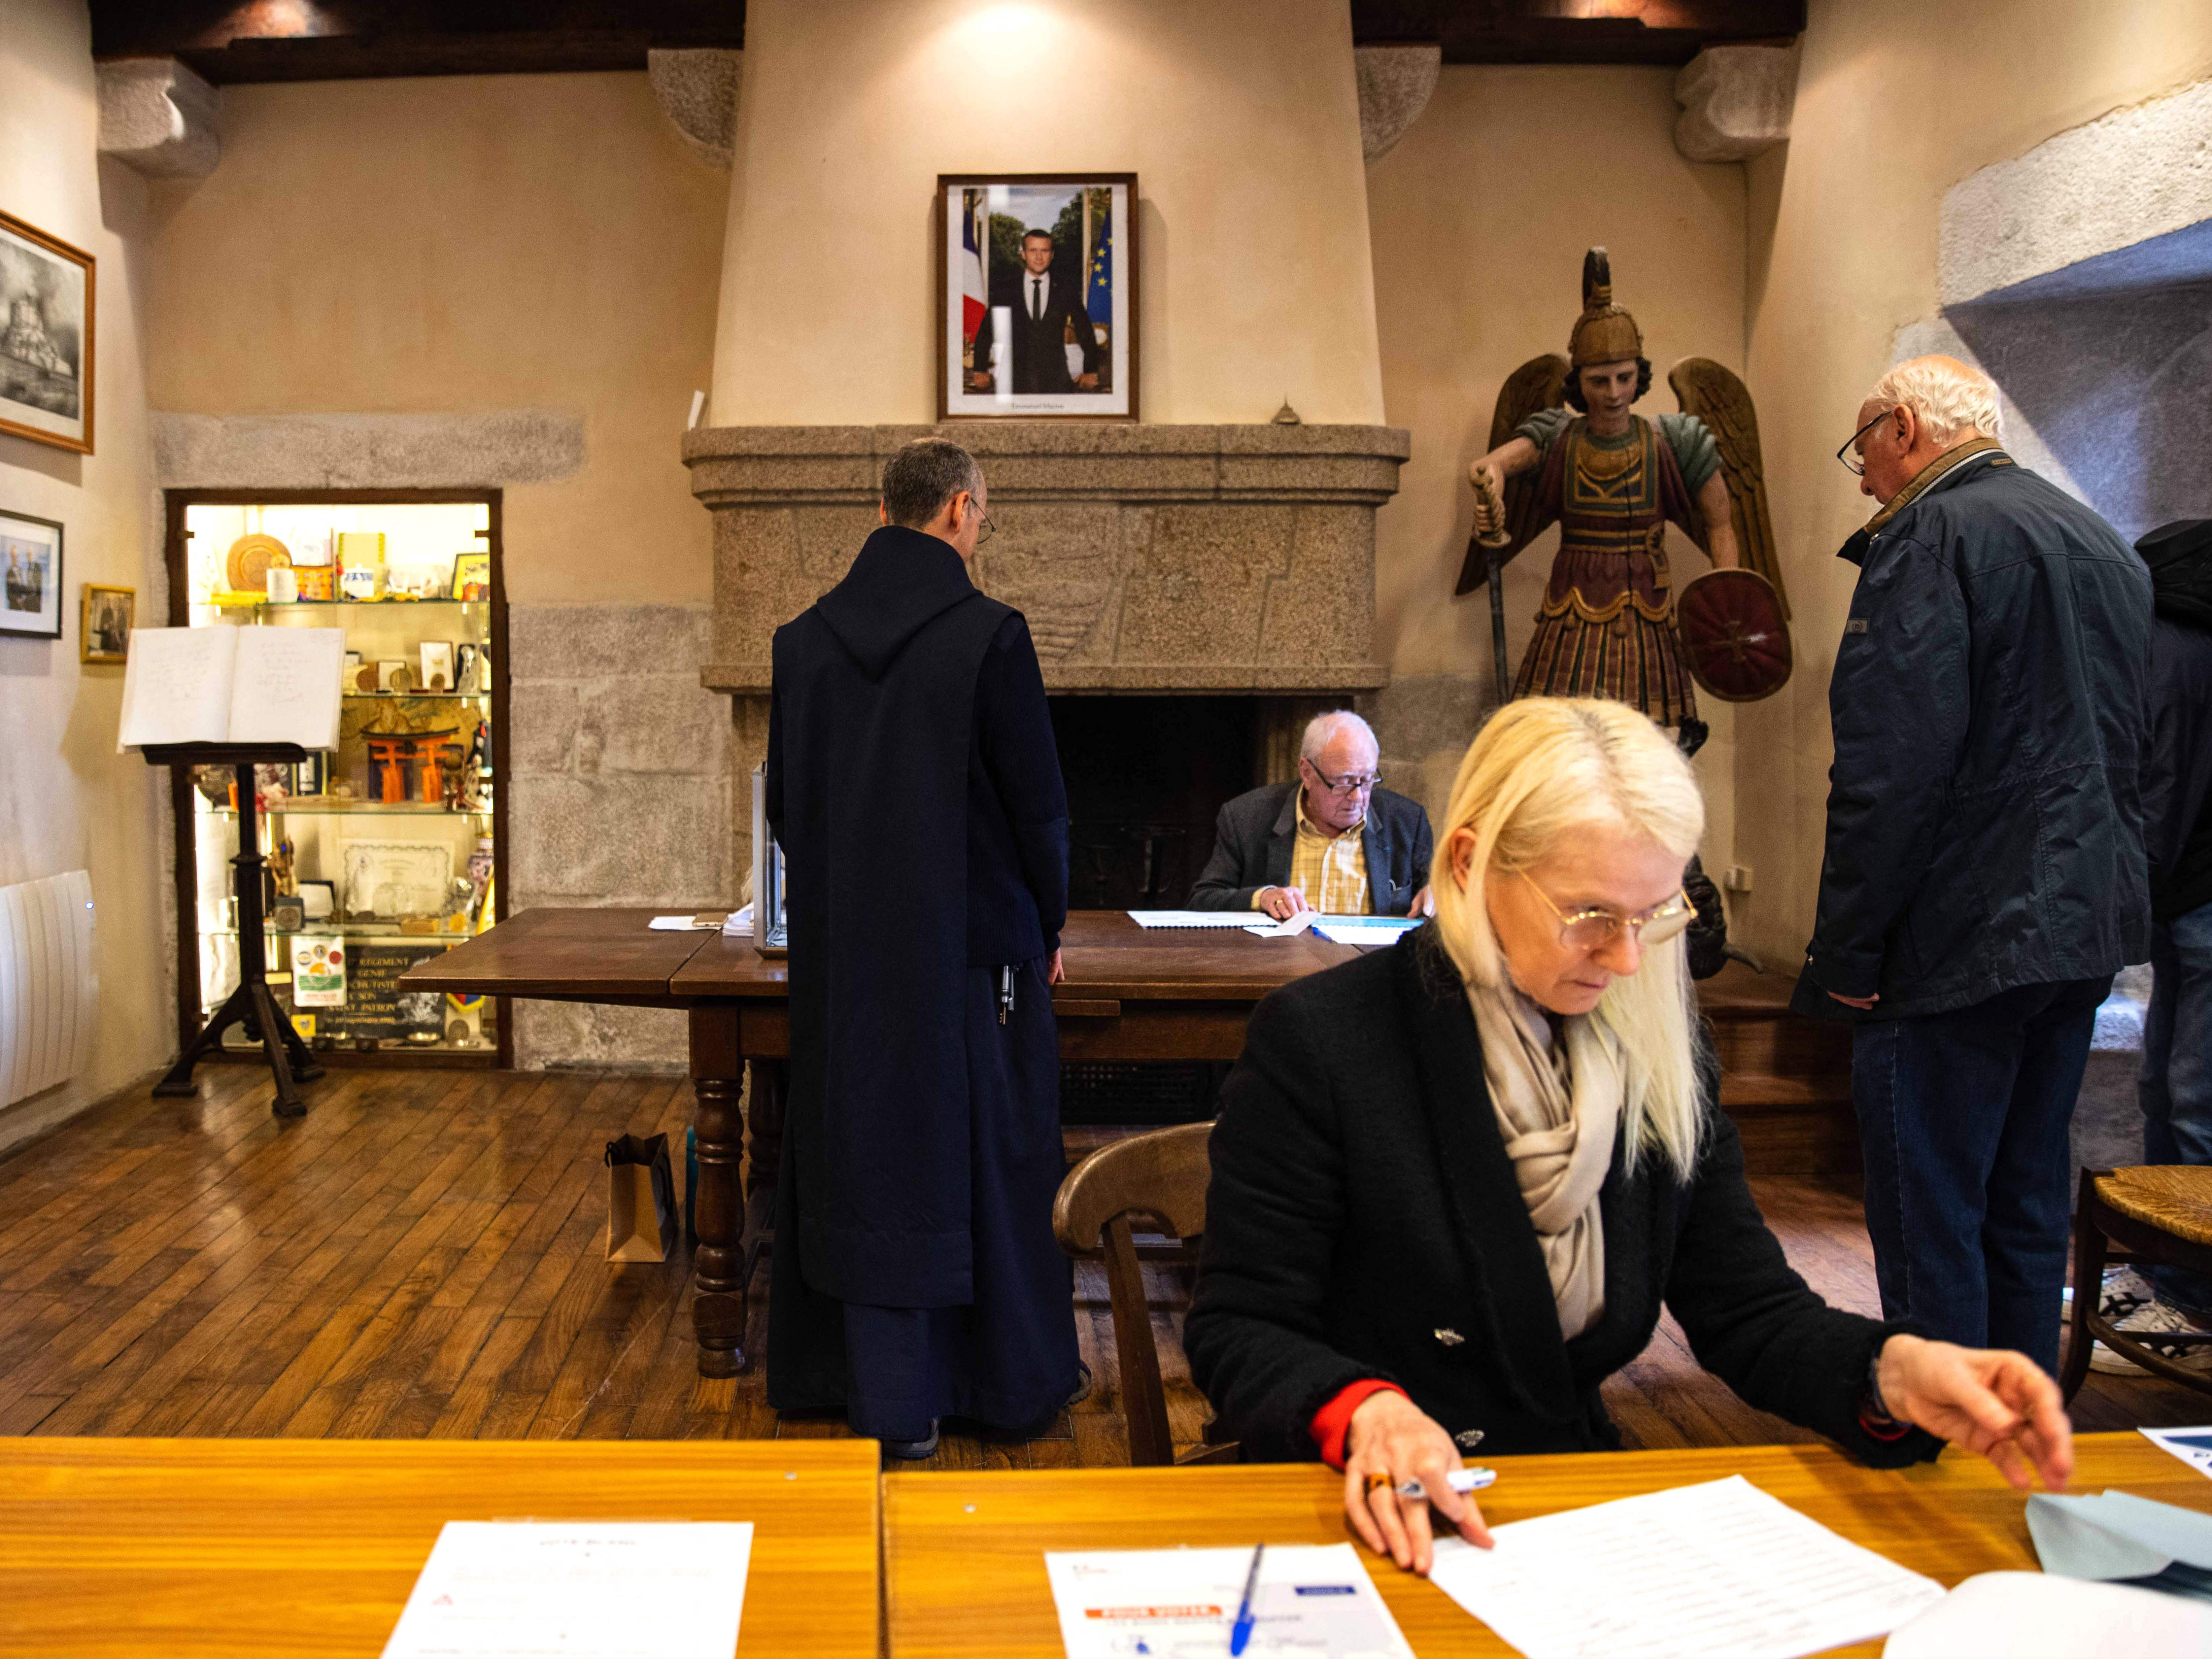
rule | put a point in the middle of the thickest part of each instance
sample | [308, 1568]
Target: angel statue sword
[1496, 547]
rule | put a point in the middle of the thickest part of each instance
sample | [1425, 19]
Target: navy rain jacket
[1990, 716]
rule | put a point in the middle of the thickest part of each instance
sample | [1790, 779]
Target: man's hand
[1424, 904]
[1991, 1400]
[1487, 523]
[1280, 903]
[1058, 971]
[1859, 1003]
[979, 382]
[1392, 1439]
[1086, 382]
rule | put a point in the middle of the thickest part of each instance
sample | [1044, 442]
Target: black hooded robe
[914, 786]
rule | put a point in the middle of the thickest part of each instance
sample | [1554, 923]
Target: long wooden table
[1130, 994]
[964, 1551]
[311, 1546]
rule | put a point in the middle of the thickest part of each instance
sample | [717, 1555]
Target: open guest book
[233, 686]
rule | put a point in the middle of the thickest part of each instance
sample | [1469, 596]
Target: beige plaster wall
[1480, 218]
[1239, 116]
[68, 801]
[463, 245]
[1896, 103]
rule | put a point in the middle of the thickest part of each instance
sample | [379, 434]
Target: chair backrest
[1161, 1174]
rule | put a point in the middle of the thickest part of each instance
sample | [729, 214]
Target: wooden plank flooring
[422, 1255]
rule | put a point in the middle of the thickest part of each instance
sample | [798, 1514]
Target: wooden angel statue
[1614, 480]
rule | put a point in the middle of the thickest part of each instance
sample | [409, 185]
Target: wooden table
[1130, 994]
[311, 1546]
[964, 1551]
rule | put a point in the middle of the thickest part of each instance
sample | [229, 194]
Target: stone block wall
[620, 785]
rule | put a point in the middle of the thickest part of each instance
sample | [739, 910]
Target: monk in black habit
[914, 788]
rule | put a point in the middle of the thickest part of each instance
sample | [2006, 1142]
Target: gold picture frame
[105, 619]
[471, 576]
[46, 311]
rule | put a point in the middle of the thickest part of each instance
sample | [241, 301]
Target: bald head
[1920, 409]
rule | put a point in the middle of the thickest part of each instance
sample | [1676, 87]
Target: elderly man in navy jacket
[1984, 875]
[914, 788]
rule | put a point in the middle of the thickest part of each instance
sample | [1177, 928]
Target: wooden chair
[2155, 1213]
[1160, 1176]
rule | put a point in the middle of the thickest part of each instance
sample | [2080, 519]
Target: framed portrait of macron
[1036, 296]
[30, 577]
[46, 337]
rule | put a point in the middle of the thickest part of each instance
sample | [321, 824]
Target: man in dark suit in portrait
[1334, 841]
[1044, 309]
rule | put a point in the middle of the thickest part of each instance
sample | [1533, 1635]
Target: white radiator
[49, 983]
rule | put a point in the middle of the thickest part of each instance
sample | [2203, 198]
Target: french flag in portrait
[971, 267]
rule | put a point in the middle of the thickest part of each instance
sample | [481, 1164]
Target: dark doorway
[1145, 778]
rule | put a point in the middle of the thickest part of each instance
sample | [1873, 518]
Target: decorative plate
[248, 561]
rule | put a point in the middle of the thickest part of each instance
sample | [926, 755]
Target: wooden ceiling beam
[1662, 31]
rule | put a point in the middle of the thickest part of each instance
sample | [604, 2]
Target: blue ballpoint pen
[1241, 1632]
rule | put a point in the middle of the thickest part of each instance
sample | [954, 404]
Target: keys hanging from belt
[1005, 992]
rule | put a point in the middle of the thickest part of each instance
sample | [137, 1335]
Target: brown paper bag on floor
[641, 1199]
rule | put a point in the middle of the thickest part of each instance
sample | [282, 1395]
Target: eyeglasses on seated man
[1454, 1181]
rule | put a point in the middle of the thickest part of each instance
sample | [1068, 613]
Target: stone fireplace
[1230, 566]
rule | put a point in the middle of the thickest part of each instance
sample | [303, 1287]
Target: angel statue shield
[1565, 446]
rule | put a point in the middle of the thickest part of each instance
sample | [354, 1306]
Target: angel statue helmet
[1565, 447]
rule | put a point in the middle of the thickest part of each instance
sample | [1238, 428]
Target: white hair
[1952, 400]
[1322, 727]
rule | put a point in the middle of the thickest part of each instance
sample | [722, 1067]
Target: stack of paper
[1720, 1568]
[2032, 1615]
[497, 1588]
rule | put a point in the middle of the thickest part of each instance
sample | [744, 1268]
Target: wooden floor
[422, 1255]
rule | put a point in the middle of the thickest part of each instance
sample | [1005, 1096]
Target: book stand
[250, 1005]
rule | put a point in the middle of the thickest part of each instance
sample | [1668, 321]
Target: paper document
[705, 923]
[1297, 924]
[1311, 1599]
[2028, 1615]
[1366, 930]
[1720, 1568]
[226, 685]
[1192, 918]
[647, 1588]
[2116, 1535]
[2192, 1446]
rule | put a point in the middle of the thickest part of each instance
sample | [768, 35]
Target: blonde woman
[1455, 1181]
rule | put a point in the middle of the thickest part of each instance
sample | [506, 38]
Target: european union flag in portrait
[1098, 291]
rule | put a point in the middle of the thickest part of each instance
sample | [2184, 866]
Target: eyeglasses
[1855, 465]
[988, 530]
[1352, 783]
[1597, 927]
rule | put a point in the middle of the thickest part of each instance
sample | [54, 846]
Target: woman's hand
[1991, 1400]
[1392, 1440]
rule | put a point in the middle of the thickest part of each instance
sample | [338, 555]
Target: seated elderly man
[1333, 841]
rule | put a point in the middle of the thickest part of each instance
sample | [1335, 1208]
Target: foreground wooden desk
[963, 1552]
[310, 1546]
[1129, 995]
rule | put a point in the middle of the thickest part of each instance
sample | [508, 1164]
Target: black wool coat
[914, 788]
[1363, 1222]
[1990, 711]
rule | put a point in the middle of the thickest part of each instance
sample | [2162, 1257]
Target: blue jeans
[1963, 1120]
[2176, 1089]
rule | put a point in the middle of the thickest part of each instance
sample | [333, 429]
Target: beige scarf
[1558, 1107]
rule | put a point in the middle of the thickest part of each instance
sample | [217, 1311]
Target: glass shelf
[411, 696]
[324, 605]
[362, 809]
[387, 932]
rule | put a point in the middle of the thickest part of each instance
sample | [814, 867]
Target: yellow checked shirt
[1330, 870]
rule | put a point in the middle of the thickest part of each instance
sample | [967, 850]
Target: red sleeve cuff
[1334, 1421]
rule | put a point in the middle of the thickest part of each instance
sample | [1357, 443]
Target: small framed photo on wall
[30, 570]
[104, 627]
[46, 337]
[1036, 291]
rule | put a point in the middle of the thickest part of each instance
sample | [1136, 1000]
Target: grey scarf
[1558, 1107]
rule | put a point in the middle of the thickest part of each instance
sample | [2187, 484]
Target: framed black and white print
[1036, 287]
[46, 337]
[30, 577]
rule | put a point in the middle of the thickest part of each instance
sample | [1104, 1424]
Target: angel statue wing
[1538, 384]
[1716, 397]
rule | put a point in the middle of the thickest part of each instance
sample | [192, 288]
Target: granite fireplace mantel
[1218, 559]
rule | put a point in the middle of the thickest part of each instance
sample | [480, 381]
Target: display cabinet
[391, 848]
